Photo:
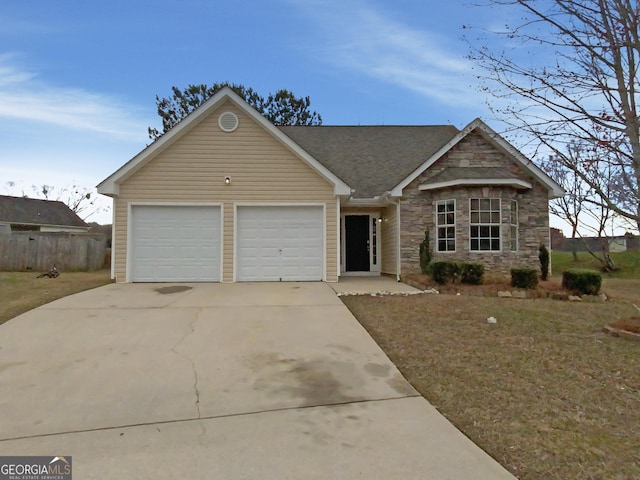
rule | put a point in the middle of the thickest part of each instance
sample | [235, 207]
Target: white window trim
[486, 224]
[455, 220]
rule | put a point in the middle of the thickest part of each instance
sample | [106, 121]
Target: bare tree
[571, 75]
[577, 207]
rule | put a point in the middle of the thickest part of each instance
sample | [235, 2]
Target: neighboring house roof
[110, 185]
[32, 211]
[371, 159]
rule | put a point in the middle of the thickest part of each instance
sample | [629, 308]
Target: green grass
[627, 262]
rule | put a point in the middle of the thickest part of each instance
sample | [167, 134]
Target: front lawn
[23, 291]
[543, 391]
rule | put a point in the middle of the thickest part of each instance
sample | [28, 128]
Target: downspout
[398, 262]
[113, 238]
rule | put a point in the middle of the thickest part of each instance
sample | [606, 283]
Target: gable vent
[228, 121]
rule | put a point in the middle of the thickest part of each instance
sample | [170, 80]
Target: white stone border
[386, 293]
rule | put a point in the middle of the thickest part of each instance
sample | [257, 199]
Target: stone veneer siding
[418, 212]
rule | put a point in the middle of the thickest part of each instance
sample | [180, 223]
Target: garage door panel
[175, 243]
[280, 243]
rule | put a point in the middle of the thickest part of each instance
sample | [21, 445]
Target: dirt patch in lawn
[544, 391]
[23, 291]
[629, 324]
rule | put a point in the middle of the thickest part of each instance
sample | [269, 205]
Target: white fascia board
[109, 186]
[511, 182]
[397, 190]
[555, 190]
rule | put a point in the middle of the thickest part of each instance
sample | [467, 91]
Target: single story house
[32, 214]
[226, 196]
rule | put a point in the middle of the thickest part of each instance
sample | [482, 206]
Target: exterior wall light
[380, 220]
[227, 180]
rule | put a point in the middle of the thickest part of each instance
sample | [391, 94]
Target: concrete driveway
[269, 380]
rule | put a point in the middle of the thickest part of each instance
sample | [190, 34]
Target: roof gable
[499, 143]
[110, 185]
[32, 211]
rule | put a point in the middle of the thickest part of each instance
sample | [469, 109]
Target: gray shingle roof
[371, 159]
[31, 211]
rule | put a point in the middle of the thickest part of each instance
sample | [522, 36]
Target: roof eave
[51, 225]
[109, 186]
[509, 182]
[555, 190]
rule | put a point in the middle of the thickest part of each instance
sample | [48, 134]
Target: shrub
[472, 273]
[544, 262]
[586, 282]
[524, 277]
[425, 253]
[444, 272]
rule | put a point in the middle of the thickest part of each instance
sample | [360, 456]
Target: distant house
[31, 214]
[620, 243]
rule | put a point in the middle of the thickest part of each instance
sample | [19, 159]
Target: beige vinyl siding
[192, 170]
[389, 236]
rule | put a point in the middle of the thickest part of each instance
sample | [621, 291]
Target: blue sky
[78, 79]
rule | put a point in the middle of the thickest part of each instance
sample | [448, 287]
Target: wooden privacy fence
[39, 251]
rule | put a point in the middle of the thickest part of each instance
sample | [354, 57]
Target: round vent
[228, 121]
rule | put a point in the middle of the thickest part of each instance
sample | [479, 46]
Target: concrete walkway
[373, 284]
[212, 381]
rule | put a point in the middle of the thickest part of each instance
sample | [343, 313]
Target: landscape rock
[595, 298]
[560, 296]
[492, 320]
[519, 294]
[574, 298]
[504, 294]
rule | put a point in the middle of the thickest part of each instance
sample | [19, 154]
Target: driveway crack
[192, 330]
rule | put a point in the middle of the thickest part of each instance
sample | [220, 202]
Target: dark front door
[356, 232]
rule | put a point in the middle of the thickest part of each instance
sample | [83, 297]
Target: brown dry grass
[543, 391]
[23, 291]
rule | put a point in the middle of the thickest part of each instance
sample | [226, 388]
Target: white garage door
[175, 244]
[280, 243]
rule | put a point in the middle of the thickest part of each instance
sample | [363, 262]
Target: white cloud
[362, 39]
[23, 96]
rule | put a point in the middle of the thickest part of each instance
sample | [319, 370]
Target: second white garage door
[280, 243]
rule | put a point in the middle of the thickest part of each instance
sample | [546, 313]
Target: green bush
[524, 277]
[472, 273]
[544, 261]
[445, 272]
[425, 253]
[586, 282]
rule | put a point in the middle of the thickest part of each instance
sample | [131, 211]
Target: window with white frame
[514, 226]
[446, 225]
[484, 225]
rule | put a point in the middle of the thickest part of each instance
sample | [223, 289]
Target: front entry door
[357, 243]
